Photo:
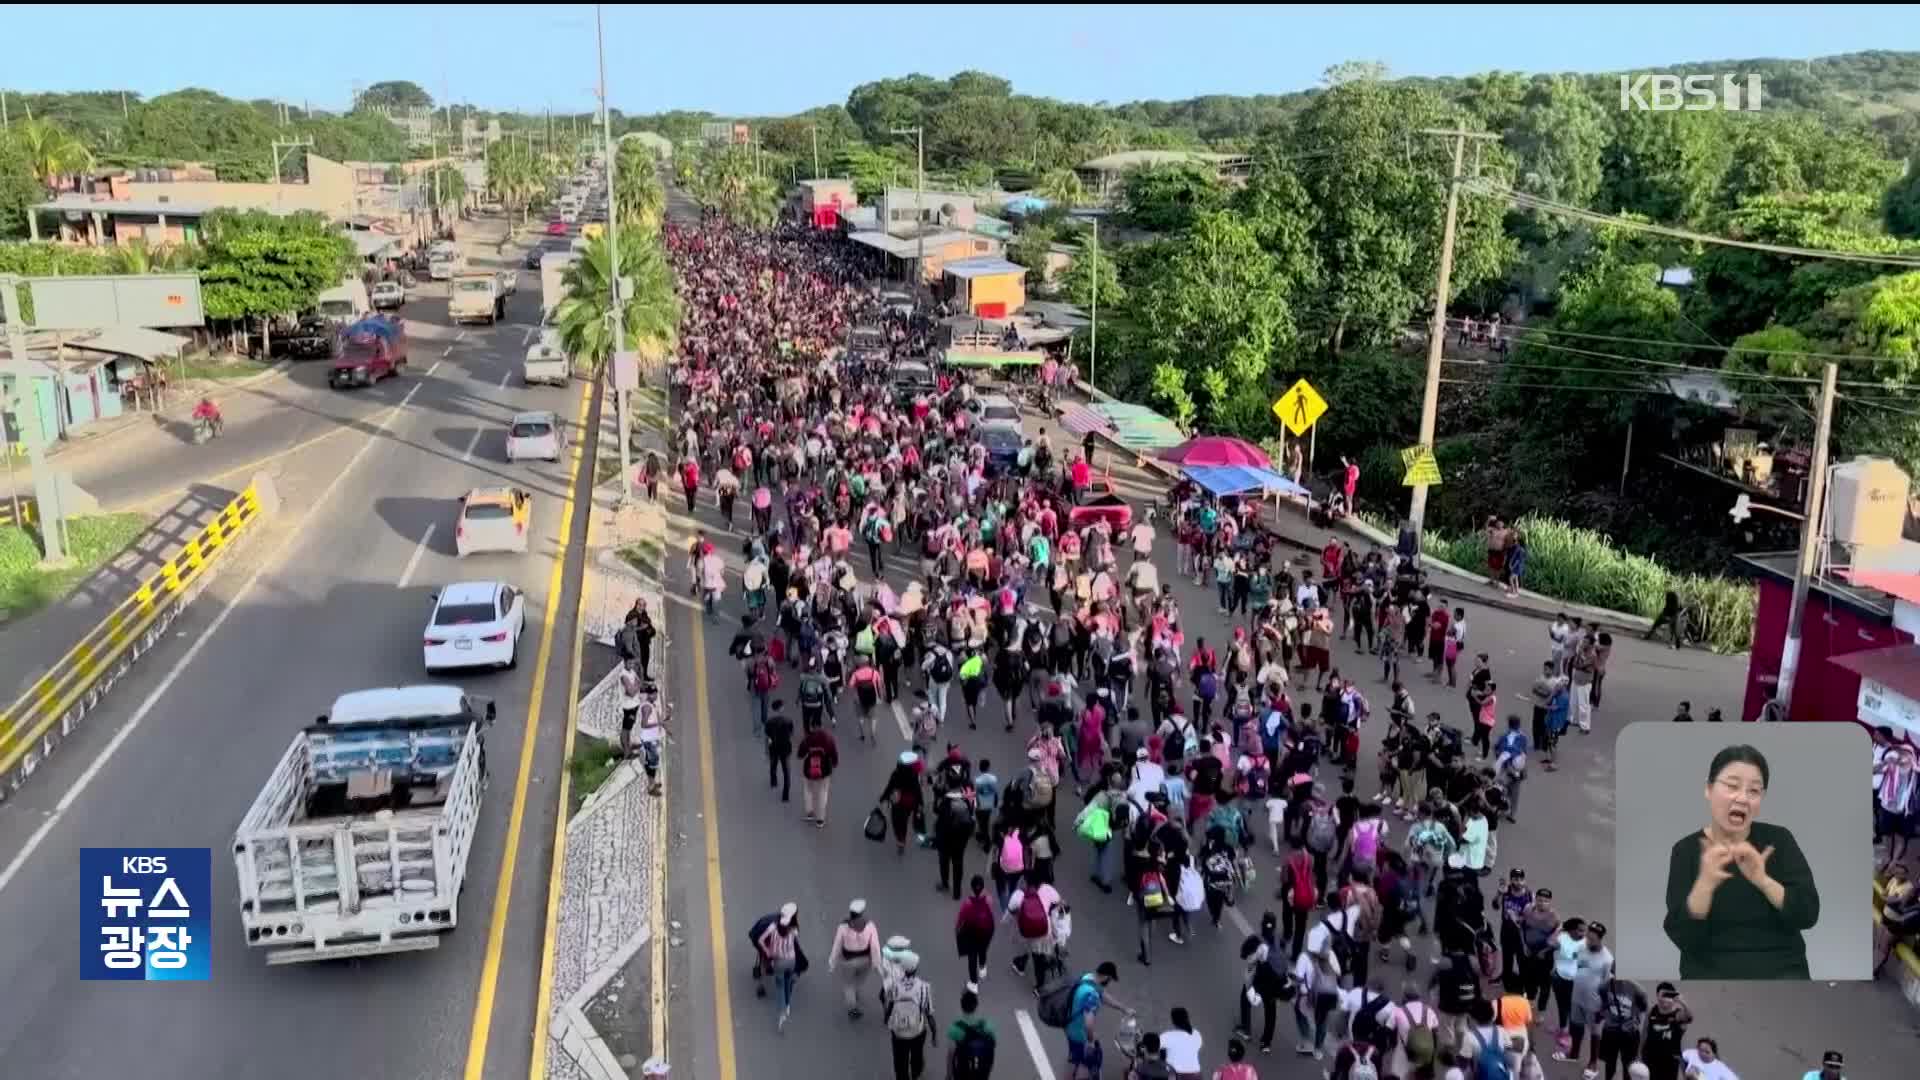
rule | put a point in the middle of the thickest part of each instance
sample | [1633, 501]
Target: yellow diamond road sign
[1422, 468]
[1300, 407]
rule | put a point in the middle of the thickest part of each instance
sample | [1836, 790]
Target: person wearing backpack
[908, 1003]
[1371, 1021]
[973, 928]
[972, 1042]
[780, 751]
[763, 678]
[1485, 1048]
[1030, 908]
[819, 756]
[1073, 1006]
[814, 694]
[952, 833]
[938, 667]
[1416, 1027]
[1297, 888]
[1321, 835]
[1457, 991]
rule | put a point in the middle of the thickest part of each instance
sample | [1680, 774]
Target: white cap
[857, 907]
[788, 911]
[1034, 754]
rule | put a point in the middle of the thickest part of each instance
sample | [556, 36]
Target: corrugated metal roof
[907, 247]
[983, 266]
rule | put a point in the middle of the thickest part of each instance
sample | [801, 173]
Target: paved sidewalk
[605, 989]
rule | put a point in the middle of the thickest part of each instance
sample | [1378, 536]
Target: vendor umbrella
[1216, 450]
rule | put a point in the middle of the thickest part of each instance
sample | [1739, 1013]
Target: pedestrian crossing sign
[1300, 407]
[1423, 469]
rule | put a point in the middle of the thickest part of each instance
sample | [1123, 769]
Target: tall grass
[1581, 566]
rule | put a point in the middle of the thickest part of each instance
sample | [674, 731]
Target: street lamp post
[919, 199]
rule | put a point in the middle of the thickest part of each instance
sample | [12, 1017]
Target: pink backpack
[1013, 857]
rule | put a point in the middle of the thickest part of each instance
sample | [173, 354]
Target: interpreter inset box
[1743, 851]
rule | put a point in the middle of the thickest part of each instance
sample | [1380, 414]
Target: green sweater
[1743, 936]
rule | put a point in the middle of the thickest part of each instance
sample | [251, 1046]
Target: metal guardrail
[28, 515]
[54, 705]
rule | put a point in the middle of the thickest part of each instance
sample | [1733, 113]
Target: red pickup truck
[372, 349]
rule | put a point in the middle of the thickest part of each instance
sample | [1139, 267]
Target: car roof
[991, 400]
[469, 592]
[545, 415]
[397, 703]
[501, 495]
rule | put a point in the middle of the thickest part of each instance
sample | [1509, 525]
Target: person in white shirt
[1181, 1045]
[1703, 1063]
[1142, 536]
[1147, 777]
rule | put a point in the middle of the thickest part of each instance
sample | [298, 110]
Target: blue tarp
[1239, 479]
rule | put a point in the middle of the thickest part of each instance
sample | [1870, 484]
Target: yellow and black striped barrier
[55, 704]
[21, 511]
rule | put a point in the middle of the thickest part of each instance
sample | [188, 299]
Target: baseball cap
[1834, 1058]
[1543, 894]
[857, 907]
[788, 911]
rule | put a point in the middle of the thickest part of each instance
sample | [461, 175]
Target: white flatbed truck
[358, 843]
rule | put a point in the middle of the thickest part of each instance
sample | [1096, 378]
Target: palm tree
[1061, 187]
[651, 314]
[139, 258]
[447, 186]
[49, 149]
[637, 195]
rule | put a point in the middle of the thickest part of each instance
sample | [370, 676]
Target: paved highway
[744, 853]
[332, 599]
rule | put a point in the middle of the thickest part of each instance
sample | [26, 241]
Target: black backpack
[973, 1051]
[1369, 1025]
[942, 667]
[1339, 942]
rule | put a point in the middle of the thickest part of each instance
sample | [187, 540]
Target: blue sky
[765, 59]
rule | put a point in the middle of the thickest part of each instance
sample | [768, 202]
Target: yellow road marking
[716, 911]
[503, 887]
[543, 1002]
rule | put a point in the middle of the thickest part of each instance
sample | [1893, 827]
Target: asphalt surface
[741, 852]
[339, 607]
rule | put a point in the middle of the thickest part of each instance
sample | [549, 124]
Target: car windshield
[1002, 412]
[487, 512]
[474, 286]
[337, 308]
[532, 429]
[457, 614]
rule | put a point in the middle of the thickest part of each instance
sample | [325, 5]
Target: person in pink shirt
[1350, 480]
[1082, 474]
[1092, 744]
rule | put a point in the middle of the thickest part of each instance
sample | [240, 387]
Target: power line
[1535, 202]
[1518, 329]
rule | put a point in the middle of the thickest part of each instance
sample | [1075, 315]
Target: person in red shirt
[1330, 557]
[690, 481]
[1437, 624]
[1082, 474]
[1350, 480]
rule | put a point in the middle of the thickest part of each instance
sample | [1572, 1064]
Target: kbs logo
[1690, 93]
[146, 914]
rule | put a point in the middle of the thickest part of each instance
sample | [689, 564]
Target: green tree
[1569, 388]
[1061, 187]
[1166, 198]
[20, 189]
[650, 318]
[1901, 205]
[638, 198]
[49, 150]
[1667, 165]
[1376, 243]
[195, 125]
[1214, 310]
[1738, 291]
[394, 94]
[255, 263]
[1030, 247]
[446, 186]
[1087, 276]
[1557, 140]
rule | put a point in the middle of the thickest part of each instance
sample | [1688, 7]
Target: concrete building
[826, 201]
[119, 209]
[941, 247]
[988, 286]
[904, 209]
[1103, 177]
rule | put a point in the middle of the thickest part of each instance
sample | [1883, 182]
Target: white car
[998, 411]
[388, 294]
[535, 435]
[475, 624]
[493, 519]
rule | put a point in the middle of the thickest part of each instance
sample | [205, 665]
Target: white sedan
[535, 435]
[475, 624]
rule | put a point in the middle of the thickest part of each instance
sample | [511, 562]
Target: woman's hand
[1716, 866]
[1751, 861]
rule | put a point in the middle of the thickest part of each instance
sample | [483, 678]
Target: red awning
[1906, 586]
[1896, 667]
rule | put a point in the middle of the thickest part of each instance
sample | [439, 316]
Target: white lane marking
[99, 763]
[526, 337]
[435, 367]
[448, 351]
[461, 336]
[900, 717]
[1239, 922]
[504, 380]
[471, 443]
[413, 561]
[1031, 1036]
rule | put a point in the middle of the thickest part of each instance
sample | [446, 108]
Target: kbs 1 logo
[1689, 93]
[145, 914]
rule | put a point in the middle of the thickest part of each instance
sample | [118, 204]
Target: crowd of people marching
[1185, 765]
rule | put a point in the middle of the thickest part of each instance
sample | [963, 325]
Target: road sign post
[1300, 408]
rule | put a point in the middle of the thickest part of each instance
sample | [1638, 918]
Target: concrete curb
[1534, 604]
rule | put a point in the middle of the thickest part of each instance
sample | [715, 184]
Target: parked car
[493, 519]
[388, 295]
[997, 411]
[536, 435]
[474, 624]
[313, 337]
[911, 379]
[1003, 449]
[1102, 503]
[556, 228]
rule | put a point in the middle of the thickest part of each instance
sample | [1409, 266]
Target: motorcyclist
[209, 414]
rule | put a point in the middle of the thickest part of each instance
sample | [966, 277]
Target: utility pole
[1093, 346]
[46, 486]
[4, 122]
[1812, 536]
[1437, 333]
[813, 129]
[615, 314]
[919, 203]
